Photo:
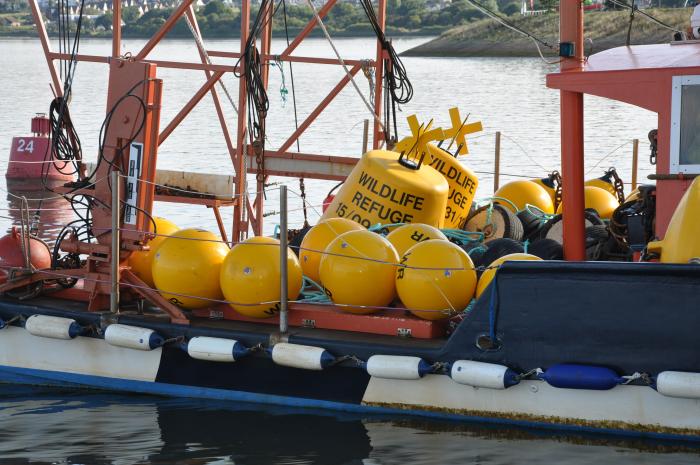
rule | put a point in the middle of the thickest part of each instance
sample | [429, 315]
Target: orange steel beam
[240, 227]
[182, 114]
[159, 63]
[164, 29]
[571, 107]
[319, 108]
[379, 74]
[116, 27]
[293, 59]
[44, 39]
[308, 28]
[214, 93]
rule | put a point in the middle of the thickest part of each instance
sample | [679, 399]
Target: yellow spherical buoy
[548, 185]
[437, 281]
[599, 200]
[521, 193]
[358, 269]
[142, 262]
[188, 264]
[487, 276]
[318, 238]
[406, 236]
[602, 183]
[250, 275]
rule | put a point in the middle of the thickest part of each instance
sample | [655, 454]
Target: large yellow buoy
[358, 269]
[549, 185]
[142, 262]
[681, 243]
[316, 241]
[250, 275]
[462, 182]
[603, 184]
[380, 189]
[599, 200]
[521, 193]
[187, 265]
[406, 236]
[487, 276]
[437, 279]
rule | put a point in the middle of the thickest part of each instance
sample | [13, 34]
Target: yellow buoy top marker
[437, 279]
[318, 238]
[142, 262]
[421, 134]
[406, 236]
[187, 266]
[459, 130]
[250, 277]
[488, 275]
[358, 269]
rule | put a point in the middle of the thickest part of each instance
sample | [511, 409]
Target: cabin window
[685, 125]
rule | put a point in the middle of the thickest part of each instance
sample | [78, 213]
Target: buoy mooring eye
[486, 343]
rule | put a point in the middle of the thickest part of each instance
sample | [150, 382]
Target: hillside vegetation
[606, 29]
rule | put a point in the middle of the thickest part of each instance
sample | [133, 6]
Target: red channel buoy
[28, 154]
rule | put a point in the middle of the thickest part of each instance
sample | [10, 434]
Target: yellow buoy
[682, 239]
[487, 276]
[462, 182]
[603, 184]
[380, 189]
[188, 264]
[358, 269]
[437, 281]
[317, 239]
[142, 262]
[548, 185]
[636, 194]
[250, 275]
[521, 193]
[599, 200]
[406, 236]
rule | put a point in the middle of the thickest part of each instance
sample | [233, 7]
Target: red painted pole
[571, 105]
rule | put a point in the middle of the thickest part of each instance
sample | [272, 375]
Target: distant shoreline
[605, 29]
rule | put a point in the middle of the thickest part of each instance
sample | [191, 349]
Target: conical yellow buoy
[487, 276]
[250, 275]
[188, 264]
[406, 236]
[521, 193]
[317, 239]
[682, 240]
[142, 262]
[358, 269]
[599, 200]
[462, 181]
[437, 279]
[380, 189]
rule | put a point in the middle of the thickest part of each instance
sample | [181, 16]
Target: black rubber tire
[546, 249]
[499, 248]
[596, 241]
[503, 223]
[531, 223]
[553, 228]
[477, 255]
[295, 240]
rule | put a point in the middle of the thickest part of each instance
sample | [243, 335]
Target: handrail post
[114, 265]
[635, 162]
[284, 324]
[497, 162]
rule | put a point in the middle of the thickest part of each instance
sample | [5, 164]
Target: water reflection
[53, 211]
[43, 426]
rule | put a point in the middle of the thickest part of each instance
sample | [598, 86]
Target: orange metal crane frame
[138, 74]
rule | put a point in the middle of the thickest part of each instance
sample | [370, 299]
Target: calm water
[506, 94]
[54, 427]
